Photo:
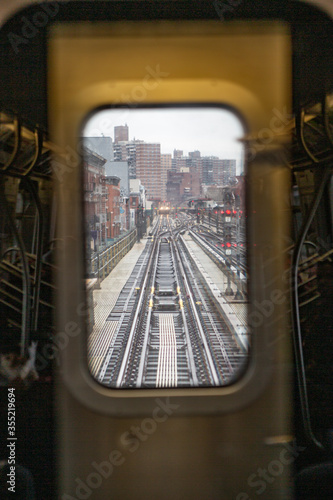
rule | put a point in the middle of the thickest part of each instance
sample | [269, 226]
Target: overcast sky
[214, 132]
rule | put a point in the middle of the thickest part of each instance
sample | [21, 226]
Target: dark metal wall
[23, 42]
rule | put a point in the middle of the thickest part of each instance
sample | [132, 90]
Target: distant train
[164, 209]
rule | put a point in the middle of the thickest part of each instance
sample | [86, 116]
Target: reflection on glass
[165, 216]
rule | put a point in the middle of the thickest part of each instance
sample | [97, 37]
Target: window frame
[67, 112]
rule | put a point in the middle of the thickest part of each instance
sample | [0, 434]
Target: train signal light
[227, 215]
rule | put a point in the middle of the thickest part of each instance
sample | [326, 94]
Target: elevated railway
[170, 331]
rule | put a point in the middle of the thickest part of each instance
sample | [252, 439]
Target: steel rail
[211, 364]
[124, 363]
[190, 356]
[212, 323]
[120, 323]
[146, 335]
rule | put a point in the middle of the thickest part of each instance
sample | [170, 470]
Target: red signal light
[235, 212]
[228, 244]
[228, 212]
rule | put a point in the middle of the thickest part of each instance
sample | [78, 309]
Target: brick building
[120, 133]
[113, 223]
[95, 194]
[181, 186]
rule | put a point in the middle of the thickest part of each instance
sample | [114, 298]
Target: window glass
[165, 219]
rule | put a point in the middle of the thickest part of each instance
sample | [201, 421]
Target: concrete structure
[120, 151]
[178, 163]
[137, 204]
[148, 168]
[178, 153]
[120, 169]
[208, 169]
[217, 171]
[137, 188]
[181, 186]
[126, 151]
[223, 171]
[120, 133]
[194, 154]
[191, 163]
[239, 192]
[194, 162]
[214, 192]
[134, 203]
[102, 146]
[166, 164]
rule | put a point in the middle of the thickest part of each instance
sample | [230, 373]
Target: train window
[165, 212]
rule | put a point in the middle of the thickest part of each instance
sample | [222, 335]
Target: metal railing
[103, 262]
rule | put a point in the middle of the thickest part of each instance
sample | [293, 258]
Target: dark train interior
[28, 224]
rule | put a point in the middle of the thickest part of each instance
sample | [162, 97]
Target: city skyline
[212, 131]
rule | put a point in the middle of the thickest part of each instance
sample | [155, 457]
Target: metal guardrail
[239, 281]
[105, 261]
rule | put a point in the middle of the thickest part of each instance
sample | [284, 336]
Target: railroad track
[170, 329]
